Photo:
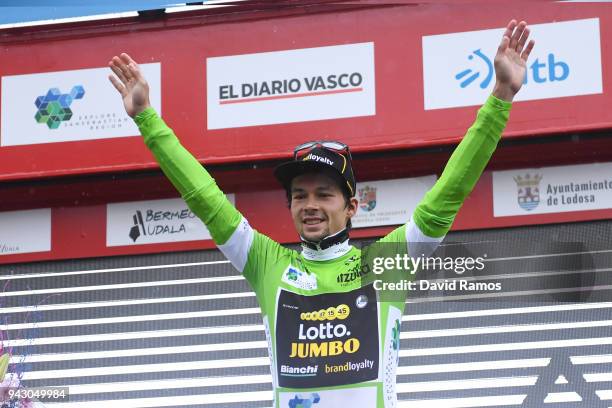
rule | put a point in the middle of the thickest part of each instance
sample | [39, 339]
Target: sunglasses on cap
[329, 144]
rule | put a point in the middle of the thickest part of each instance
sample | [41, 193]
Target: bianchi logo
[304, 402]
[307, 371]
[54, 108]
[528, 191]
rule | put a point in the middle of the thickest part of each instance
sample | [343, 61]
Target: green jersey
[331, 339]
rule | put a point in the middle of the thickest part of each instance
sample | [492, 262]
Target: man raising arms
[331, 341]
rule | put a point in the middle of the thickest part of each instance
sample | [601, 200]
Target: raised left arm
[436, 212]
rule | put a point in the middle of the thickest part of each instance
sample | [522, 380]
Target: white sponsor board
[566, 61]
[389, 202]
[30, 106]
[151, 222]
[25, 231]
[353, 397]
[291, 86]
[552, 189]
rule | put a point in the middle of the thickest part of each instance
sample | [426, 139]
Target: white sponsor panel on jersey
[566, 61]
[291, 86]
[552, 189]
[25, 231]
[67, 106]
[155, 221]
[389, 202]
[353, 397]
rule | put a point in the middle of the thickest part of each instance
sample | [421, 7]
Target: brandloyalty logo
[54, 107]
[552, 70]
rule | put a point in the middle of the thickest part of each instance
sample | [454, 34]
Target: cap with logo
[333, 158]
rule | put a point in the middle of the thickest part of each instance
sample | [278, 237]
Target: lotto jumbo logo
[340, 312]
[528, 191]
[54, 107]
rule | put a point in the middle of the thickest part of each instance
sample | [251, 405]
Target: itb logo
[486, 66]
[552, 70]
[459, 68]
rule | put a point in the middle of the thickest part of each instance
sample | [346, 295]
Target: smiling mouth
[312, 221]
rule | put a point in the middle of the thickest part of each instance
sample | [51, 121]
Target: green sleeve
[436, 212]
[194, 183]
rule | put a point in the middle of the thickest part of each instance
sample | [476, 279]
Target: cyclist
[331, 340]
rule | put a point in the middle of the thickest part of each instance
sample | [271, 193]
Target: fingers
[523, 40]
[131, 68]
[527, 50]
[516, 36]
[118, 86]
[503, 46]
[127, 59]
[509, 29]
[130, 65]
[120, 69]
[135, 72]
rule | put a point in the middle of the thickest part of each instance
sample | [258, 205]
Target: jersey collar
[331, 247]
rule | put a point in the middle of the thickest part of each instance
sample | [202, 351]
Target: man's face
[318, 208]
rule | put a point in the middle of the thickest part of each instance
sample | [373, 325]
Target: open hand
[511, 60]
[131, 84]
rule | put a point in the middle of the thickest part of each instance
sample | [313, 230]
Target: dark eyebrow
[301, 190]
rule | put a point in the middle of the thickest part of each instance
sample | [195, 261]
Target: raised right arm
[194, 183]
[248, 250]
[227, 226]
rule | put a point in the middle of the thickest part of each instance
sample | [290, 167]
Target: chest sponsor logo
[328, 339]
[352, 273]
[299, 279]
[355, 397]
